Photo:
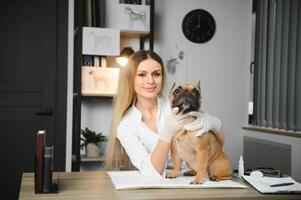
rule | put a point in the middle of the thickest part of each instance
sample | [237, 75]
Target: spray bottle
[240, 167]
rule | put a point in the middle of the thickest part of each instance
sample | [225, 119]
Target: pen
[282, 184]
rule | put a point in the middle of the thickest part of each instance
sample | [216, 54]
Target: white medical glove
[204, 122]
[173, 124]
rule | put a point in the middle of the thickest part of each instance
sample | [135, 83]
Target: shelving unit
[78, 98]
[91, 163]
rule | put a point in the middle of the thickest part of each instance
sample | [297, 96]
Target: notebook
[134, 180]
[274, 185]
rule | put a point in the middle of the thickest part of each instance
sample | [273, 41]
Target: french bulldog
[202, 154]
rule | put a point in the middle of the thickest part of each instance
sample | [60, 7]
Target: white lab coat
[139, 140]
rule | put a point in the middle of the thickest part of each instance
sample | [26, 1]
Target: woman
[143, 121]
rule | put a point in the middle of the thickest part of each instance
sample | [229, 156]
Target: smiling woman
[148, 81]
[130, 79]
[143, 121]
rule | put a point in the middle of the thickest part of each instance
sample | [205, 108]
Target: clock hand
[195, 28]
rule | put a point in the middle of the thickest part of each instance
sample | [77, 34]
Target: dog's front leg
[202, 160]
[176, 161]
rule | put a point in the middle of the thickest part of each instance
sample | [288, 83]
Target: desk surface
[98, 185]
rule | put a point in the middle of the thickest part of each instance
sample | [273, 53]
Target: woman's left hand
[203, 123]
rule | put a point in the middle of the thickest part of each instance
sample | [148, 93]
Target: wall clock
[198, 26]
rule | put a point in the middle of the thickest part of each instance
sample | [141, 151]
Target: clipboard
[272, 185]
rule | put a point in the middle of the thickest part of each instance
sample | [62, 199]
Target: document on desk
[134, 180]
[274, 185]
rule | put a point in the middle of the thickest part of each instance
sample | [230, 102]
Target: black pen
[282, 184]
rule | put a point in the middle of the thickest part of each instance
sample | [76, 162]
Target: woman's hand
[173, 124]
[203, 123]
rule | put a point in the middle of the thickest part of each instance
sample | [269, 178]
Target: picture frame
[134, 18]
[99, 81]
[101, 41]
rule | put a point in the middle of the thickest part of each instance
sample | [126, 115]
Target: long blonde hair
[116, 157]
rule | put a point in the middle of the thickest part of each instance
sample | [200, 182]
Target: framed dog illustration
[99, 81]
[101, 41]
[134, 17]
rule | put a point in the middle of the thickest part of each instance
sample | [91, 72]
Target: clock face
[198, 26]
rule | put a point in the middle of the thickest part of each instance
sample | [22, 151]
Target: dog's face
[187, 97]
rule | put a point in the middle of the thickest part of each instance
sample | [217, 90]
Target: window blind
[277, 74]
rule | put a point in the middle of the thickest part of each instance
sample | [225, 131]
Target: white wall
[97, 114]
[222, 64]
[69, 87]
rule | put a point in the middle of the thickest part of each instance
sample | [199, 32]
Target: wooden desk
[98, 185]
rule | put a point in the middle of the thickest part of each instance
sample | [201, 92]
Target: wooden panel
[24, 98]
[21, 44]
[16, 153]
[9, 113]
[32, 70]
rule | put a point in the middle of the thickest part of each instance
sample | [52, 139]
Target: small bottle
[240, 167]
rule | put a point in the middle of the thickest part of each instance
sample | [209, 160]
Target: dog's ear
[172, 87]
[198, 85]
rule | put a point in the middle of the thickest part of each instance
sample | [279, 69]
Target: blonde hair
[116, 157]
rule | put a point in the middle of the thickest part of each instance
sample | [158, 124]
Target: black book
[48, 169]
[88, 60]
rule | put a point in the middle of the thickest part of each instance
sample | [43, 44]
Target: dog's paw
[172, 174]
[197, 181]
[190, 173]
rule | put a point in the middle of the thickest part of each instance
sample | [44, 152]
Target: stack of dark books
[43, 165]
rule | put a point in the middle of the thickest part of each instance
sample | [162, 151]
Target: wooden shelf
[97, 95]
[92, 159]
[127, 33]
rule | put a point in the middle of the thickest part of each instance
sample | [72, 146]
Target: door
[29, 84]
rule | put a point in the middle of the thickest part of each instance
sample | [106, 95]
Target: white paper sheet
[263, 184]
[134, 180]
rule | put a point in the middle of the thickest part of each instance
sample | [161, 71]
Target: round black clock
[198, 26]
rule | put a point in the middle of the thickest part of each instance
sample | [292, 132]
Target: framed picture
[101, 41]
[134, 18]
[99, 81]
